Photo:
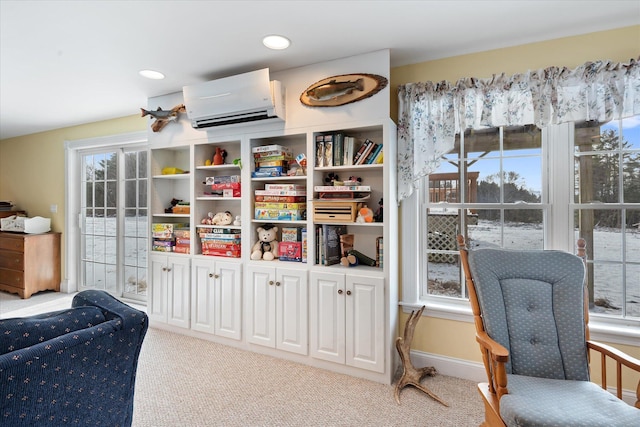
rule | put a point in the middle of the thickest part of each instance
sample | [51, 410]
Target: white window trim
[559, 235]
[72, 150]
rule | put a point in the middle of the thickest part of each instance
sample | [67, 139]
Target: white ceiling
[64, 63]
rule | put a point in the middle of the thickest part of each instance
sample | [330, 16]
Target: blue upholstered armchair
[531, 323]
[71, 367]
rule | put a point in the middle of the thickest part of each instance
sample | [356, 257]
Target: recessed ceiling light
[276, 42]
[150, 74]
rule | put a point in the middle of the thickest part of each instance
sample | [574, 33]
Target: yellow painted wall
[32, 169]
[457, 339]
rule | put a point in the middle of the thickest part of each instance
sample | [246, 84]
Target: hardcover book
[328, 150]
[338, 149]
[319, 151]
[331, 235]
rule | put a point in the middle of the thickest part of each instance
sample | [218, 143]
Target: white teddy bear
[266, 247]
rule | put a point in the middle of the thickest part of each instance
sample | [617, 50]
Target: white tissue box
[23, 224]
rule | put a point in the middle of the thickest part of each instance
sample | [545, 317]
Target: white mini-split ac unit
[241, 98]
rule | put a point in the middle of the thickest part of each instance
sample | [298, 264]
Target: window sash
[558, 206]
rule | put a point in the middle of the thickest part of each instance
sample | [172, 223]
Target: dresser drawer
[15, 244]
[12, 278]
[11, 260]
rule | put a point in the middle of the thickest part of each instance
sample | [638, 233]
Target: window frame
[558, 205]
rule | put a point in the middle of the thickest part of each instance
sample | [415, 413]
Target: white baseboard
[474, 371]
[450, 366]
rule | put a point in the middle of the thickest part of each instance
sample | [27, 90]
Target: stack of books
[6, 205]
[220, 241]
[342, 191]
[223, 186]
[271, 160]
[281, 202]
[170, 237]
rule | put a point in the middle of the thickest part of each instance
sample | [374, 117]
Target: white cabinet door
[202, 296]
[169, 302]
[228, 299]
[347, 319]
[157, 309]
[291, 310]
[277, 308]
[178, 290]
[365, 322]
[216, 298]
[261, 305]
[326, 312]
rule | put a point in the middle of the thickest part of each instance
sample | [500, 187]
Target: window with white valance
[457, 141]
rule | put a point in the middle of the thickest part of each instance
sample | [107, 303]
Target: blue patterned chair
[531, 322]
[71, 367]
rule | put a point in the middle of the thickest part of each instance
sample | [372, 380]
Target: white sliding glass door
[113, 221]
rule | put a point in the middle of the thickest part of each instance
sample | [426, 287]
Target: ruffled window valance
[431, 114]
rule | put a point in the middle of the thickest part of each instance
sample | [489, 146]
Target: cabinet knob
[168, 269]
[270, 282]
[216, 276]
[210, 274]
[277, 283]
[164, 268]
[348, 292]
[339, 291]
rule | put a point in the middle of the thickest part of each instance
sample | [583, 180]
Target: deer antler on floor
[410, 374]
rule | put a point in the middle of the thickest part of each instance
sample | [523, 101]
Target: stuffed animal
[266, 247]
[221, 218]
[208, 219]
[364, 215]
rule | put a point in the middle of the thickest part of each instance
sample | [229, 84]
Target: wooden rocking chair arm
[615, 354]
[498, 352]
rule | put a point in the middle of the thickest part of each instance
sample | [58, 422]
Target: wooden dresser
[29, 263]
[4, 214]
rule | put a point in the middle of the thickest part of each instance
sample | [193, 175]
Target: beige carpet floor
[183, 381]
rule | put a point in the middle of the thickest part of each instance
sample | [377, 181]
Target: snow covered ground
[101, 247]
[444, 279]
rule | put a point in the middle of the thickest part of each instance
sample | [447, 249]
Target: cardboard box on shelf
[290, 251]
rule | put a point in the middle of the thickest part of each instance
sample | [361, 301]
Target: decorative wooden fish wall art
[343, 89]
[163, 117]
